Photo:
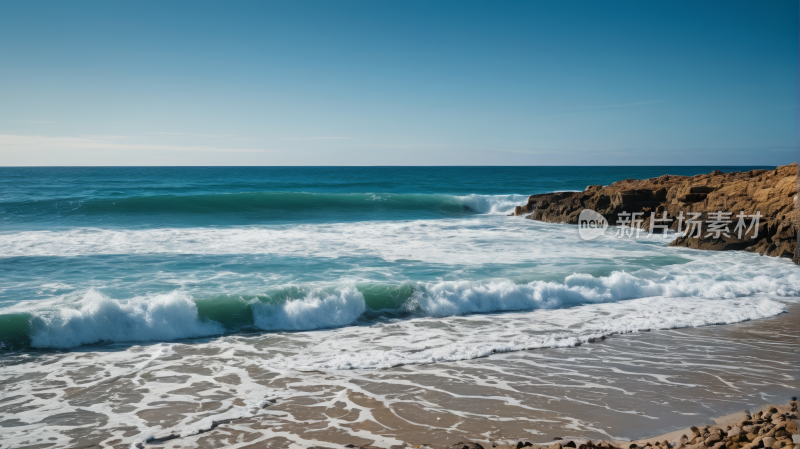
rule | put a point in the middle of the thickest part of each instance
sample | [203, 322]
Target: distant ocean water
[138, 302]
[92, 255]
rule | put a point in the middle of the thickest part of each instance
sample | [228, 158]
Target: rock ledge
[770, 193]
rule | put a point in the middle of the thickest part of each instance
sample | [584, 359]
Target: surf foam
[96, 317]
[500, 336]
[462, 297]
[317, 310]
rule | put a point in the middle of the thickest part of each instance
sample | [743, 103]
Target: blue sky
[399, 82]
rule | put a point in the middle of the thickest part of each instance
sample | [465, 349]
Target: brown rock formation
[770, 193]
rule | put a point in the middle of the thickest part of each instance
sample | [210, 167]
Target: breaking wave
[91, 317]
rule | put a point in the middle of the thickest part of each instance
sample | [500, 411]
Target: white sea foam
[475, 240]
[456, 298]
[418, 343]
[96, 317]
[317, 310]
[420, 240]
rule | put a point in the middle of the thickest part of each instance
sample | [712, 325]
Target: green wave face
[268, 202]
[15, 331]
[236, 312]
[394, 298]
[235, 208]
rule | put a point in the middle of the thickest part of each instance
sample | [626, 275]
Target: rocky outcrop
[740, 196]
[774, 428]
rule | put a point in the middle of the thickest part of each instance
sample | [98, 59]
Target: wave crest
[100, 318]
[317, 310]
[95, 317]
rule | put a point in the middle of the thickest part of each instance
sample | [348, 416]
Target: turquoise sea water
[134, 197]
[93, 255]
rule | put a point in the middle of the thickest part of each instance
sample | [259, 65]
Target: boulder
[712, 439]
[467, 445]
[773, 429]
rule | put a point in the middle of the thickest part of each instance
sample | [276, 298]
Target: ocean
[350, 304]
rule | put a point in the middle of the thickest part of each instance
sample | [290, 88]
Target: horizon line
[369, 166]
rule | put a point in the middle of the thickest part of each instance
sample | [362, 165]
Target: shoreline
[558, 392]
[704, 425]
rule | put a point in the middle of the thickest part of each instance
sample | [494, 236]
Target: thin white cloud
[522, 151]
[104, 136]
[17, 143]
[613, 106]
[409, 146]
[190, 134]
[315, 138]
[650, 150]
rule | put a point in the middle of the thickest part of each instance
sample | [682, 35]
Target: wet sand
[627, 387]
